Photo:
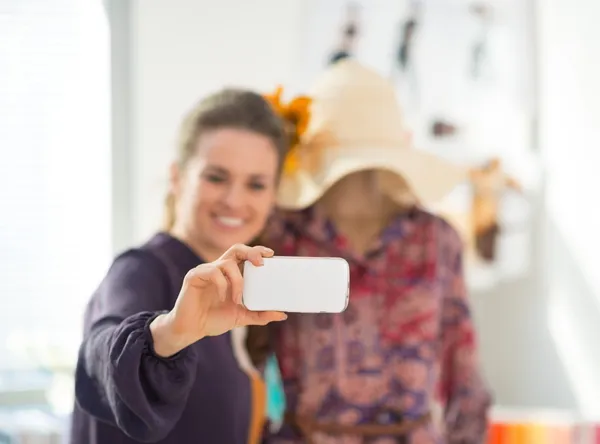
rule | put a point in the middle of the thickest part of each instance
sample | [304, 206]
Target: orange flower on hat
[296, 116]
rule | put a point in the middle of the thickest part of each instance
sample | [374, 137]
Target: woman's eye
[214, 179]
[257, 186]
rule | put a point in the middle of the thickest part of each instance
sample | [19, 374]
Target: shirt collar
[309, 224]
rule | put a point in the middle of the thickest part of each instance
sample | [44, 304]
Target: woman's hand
[210, 302]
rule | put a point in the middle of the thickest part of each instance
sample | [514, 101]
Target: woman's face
[225, 194]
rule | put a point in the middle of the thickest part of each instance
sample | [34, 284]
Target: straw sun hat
[352, 122]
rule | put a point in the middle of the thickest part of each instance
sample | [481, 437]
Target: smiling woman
[147, 371]
[224, 181]
[226, 191]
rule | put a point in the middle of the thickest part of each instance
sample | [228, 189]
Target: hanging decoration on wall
[441, 129]
[489, 182]
[483, 12]
[406, 40]
[350, 33]
[403, 67]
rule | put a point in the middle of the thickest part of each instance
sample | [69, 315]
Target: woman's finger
[232, 272]
[220, 281]
[260, 317]
[241, 253]
[265, 251]
[199, 276]
[238, 252]
[255, 256]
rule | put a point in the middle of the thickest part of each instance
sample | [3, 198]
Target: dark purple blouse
[125, 393]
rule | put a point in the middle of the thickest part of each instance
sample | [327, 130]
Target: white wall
[181, 49]
[570, 135]
[184, 49]
[549, 354]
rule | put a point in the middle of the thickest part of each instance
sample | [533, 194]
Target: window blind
[55, 207]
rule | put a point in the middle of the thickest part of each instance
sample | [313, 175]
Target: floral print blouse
[406, 343]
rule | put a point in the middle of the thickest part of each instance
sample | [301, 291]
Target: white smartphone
[297, 285]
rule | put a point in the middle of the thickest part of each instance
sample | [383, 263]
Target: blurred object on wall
[350, 33]
[489, 182]
[483, 13]
[492, 214]
[367, 30]
[408, 32]
[404, 72]
[454, 59]
[475, 67]
[441, 129]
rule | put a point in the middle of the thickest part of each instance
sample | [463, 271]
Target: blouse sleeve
[464, 393]
[119, 379]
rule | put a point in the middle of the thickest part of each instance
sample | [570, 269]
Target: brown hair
[228, 108]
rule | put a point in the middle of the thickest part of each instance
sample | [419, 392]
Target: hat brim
[428, 177]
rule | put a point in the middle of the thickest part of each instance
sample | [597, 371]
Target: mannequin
[404, 351]
[358, 209]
